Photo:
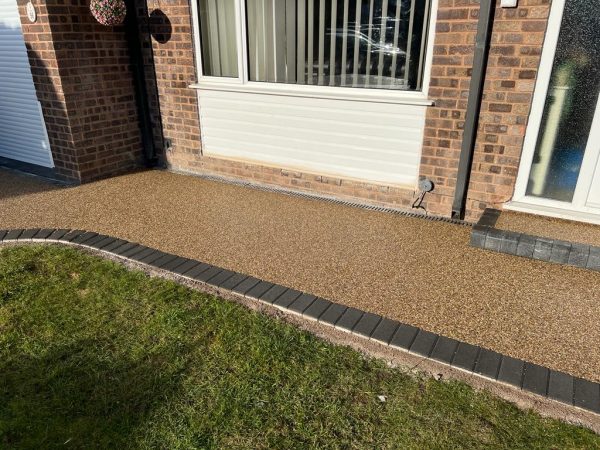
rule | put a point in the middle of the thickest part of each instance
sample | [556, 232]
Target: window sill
[559, 210]
[323, 92]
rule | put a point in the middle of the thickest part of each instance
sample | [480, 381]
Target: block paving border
[486, 236]
[473, 359]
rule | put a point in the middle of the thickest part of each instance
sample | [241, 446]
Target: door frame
[576, 209]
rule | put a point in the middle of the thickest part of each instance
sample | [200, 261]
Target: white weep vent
[22, 132]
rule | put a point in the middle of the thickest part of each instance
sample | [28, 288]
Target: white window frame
[242, 83]
[575, 209]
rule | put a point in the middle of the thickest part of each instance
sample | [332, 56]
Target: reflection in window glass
[218, 36]
[359, 43]
[570, 104]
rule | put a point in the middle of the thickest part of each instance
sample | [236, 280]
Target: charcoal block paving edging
[486, 236]
[479, 361]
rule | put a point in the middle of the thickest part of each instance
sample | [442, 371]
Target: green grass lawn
[94, 355]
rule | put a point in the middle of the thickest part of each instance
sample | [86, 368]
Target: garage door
[22, 132]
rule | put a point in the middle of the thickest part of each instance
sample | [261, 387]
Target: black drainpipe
[134, 45]
[480, 59]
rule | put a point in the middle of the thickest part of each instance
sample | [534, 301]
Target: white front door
[560, 166]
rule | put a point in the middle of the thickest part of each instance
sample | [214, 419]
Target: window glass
[352, 43]
[218, 38]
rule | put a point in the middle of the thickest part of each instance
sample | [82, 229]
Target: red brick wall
[517, 40]
[83, 79]
[294, 179]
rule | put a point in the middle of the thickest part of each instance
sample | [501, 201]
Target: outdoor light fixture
[508, 3]
[426, 185]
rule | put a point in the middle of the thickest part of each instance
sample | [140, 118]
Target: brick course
[297, 180]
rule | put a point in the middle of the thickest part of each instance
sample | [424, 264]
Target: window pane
[218, 36]
[352, 43]
[570, 104]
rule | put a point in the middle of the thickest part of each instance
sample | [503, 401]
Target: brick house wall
[517, 38]
[83, 80]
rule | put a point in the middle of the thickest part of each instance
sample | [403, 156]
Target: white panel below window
[377, 142]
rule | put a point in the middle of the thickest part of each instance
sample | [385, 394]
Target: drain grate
[325, 198]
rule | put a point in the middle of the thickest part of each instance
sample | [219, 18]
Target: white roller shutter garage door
[22, 131]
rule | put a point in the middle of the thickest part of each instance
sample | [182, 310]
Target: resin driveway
[416, 271]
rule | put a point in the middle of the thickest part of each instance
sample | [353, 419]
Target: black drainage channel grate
[527, 376]
[327, 198]
[486, 236]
